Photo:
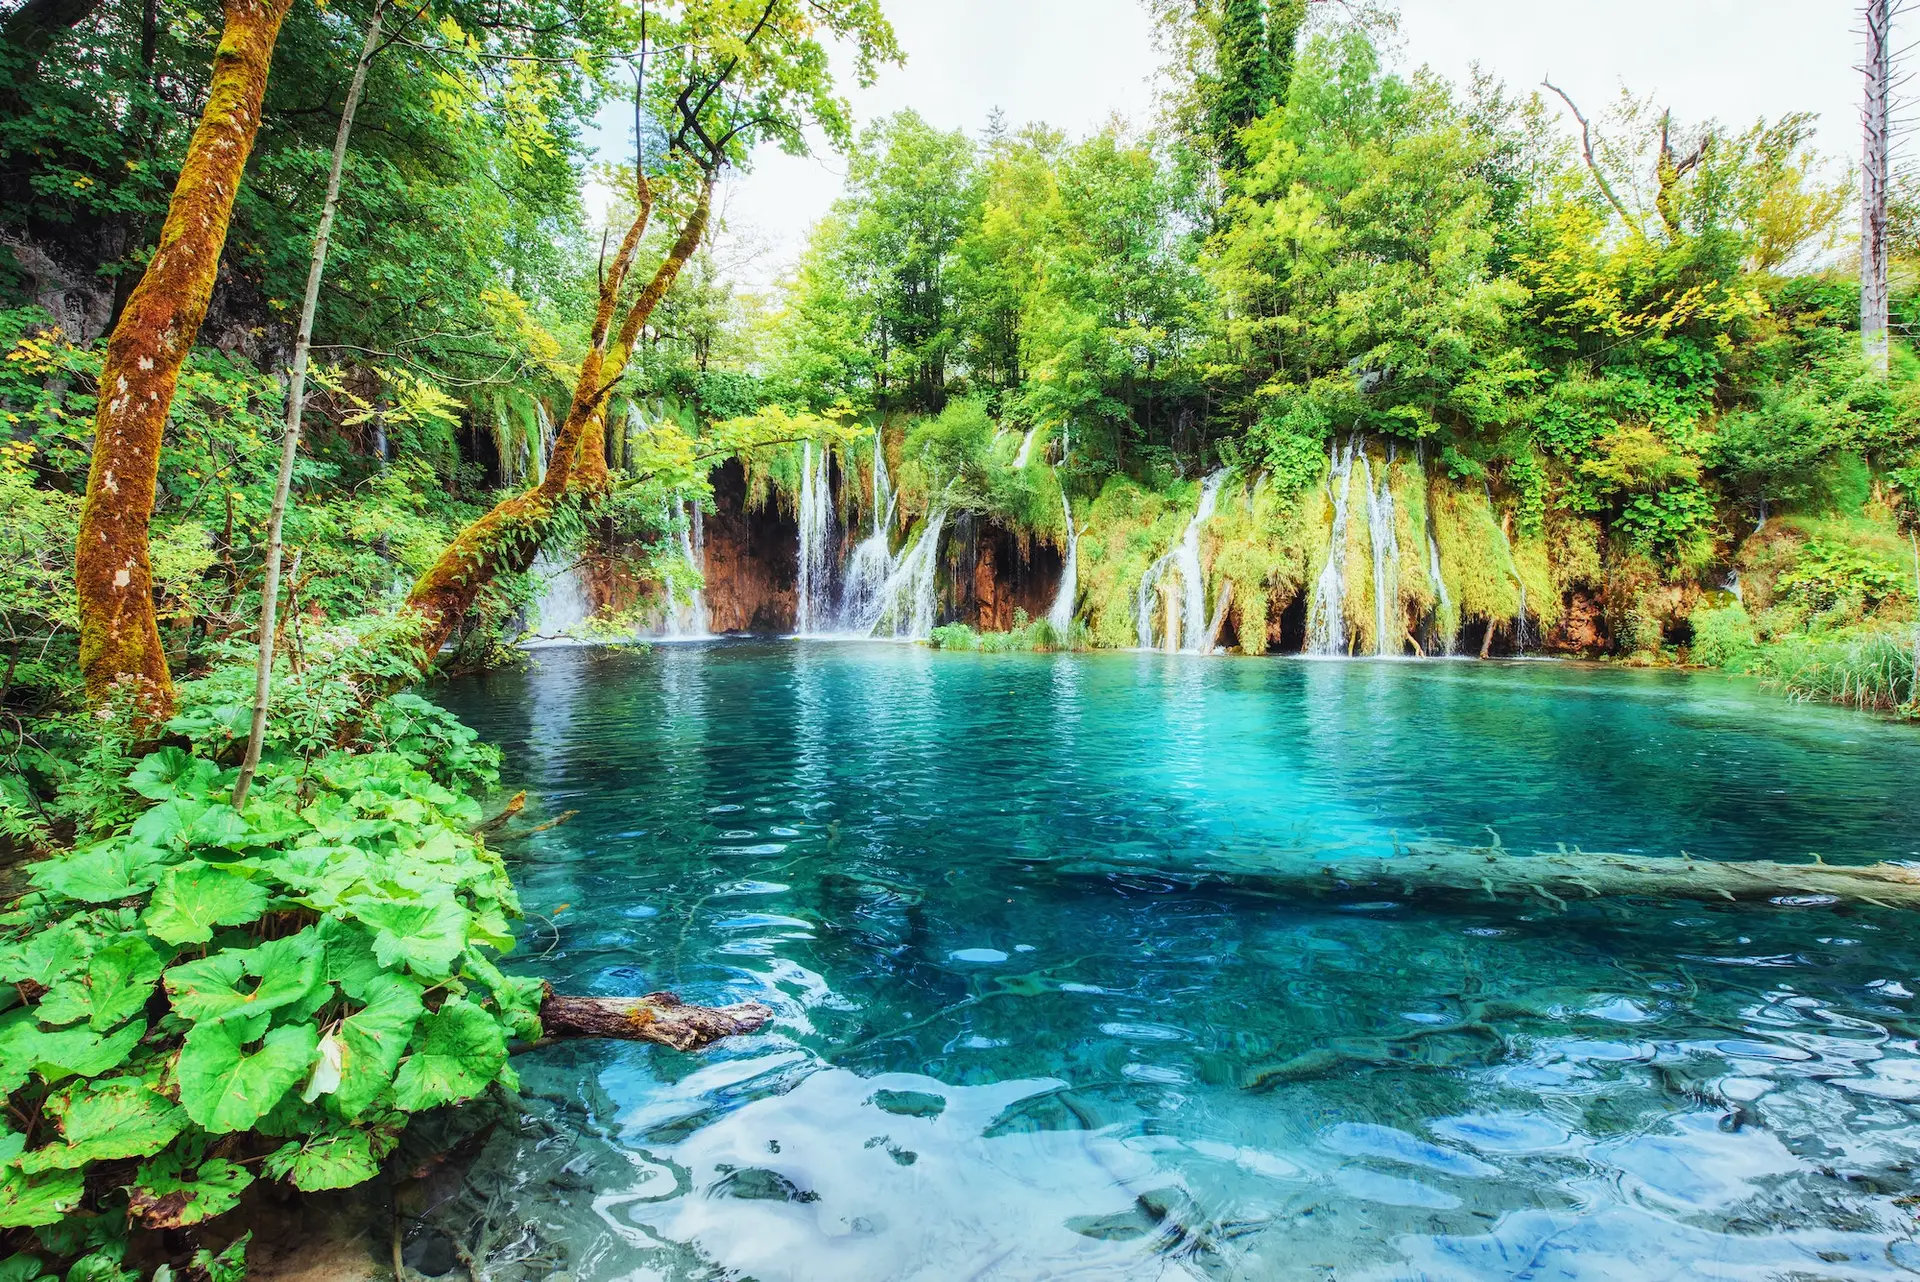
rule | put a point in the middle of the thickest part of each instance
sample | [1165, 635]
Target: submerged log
[657, 1017]
[1556, 877]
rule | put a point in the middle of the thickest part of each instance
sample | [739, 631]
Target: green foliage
[1868, 668]
[1723, 637]
[1037, 635]
[1831, 574]
[292, 980]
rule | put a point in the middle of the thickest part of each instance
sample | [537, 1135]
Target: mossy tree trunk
[119, 634]
[506, 539]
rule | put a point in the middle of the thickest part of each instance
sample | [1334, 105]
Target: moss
[1127, 528]
[1574, 553]
[1258, 541]
[1407, 482]
[1533, 565]
[1474, 558]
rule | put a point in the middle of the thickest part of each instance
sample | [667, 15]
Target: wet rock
[429, 1253]
[909, 1103]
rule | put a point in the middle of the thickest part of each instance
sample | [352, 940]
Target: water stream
[1010, 911]
[1327, 605]
[563, 605]
[813, 609]
[1383, 542]
[1186, 628]
[688, 620]
[1060, 617]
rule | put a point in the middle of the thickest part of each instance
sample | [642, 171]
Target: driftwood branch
[657, 1017]
[1554, 878]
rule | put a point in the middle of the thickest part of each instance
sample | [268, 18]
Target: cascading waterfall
[813, 603]
[540, 456]
[688, 620]
[1193, 583]
[1384, 541]
[1326, 608]
[907, 599]
[1439, 587]
[1060, 617]
[1190, 623]
[563, 605]
[1026, 448]
[871, 564]
[1143, 602]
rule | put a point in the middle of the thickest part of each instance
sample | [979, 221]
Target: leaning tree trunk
[119, 635]
[1873, 185]
[506, 539]
[296, 403]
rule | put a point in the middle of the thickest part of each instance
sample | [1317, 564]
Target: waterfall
[545, 452]
[907, 600]
[871, 564]
[1439, 583]
[1384, 541]
[1190, 622]
[1143, 600]
[1326, 608]
[688, 620]
[1026, 448]
[812, 602]
[563, 605]
[1193, 583]
[1060, 617]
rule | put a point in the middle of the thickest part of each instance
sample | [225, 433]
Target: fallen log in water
[657, 1017]
[1558, 876]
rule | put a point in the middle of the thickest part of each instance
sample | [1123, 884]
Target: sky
[1074, 63]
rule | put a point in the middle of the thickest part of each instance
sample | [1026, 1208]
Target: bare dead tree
[1593, 163]
[1874, 182]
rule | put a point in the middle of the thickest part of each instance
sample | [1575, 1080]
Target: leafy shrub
[204, 997]
[1830, 573]
[1722, 637]
[1039, 635]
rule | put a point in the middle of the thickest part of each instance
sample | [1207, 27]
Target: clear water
[1009, 910]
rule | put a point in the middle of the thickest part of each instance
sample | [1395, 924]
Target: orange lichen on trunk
[507, 538]
[119, 635]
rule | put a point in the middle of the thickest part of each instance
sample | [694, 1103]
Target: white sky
[1073, 63]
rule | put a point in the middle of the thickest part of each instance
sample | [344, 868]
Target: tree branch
[1593, 165]
[658, 1017]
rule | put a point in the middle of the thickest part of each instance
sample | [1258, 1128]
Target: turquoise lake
[1011, 913]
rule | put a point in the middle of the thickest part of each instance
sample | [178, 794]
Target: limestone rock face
[752, 562]
[990, 574]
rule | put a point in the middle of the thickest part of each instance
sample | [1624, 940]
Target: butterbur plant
[207, 998]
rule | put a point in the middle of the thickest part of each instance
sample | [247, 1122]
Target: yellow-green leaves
[460, 1051]
[120, 1119]
[113, 988]
[249, 984]
[195, 897]
[31, 1200]
[425, 937]
[226, 1088]
[337, 1161]
[371, 1041]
